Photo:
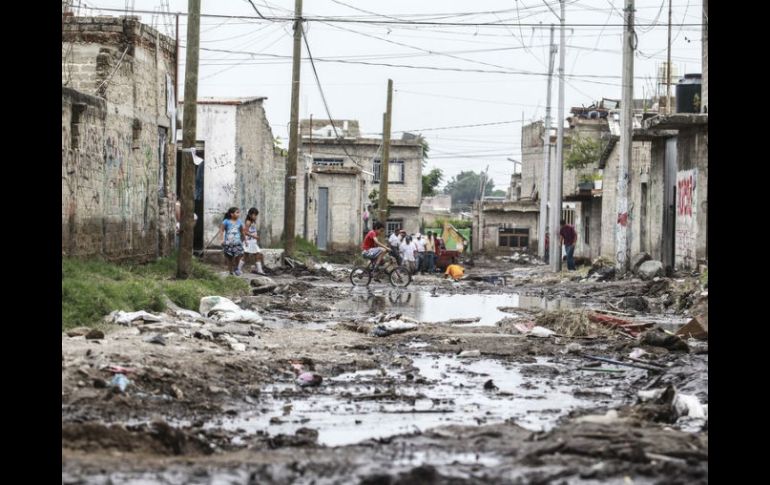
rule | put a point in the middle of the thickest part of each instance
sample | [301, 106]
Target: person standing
[253, 253]
[430, 253]
[568, 237]
[395, 243]
[420, 258]
[407, 250]
[232, 239]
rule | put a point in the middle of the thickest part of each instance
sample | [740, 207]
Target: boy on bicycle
[372, 247]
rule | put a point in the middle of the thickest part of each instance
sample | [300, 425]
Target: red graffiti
[623, 219]
[685, 189]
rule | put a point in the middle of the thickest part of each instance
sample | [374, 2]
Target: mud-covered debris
[78, 331]
[95, 334]
[203, 334]
[120, 382]
[659, 338]
[571, 323]
[636, 303]
[392, 327]
[469, 353]
[301, 438]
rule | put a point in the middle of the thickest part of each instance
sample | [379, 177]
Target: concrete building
[118, 132]
[340, 174]
[501, 226]
[241, 168]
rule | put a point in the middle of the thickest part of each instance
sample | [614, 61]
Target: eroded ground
[462, 398]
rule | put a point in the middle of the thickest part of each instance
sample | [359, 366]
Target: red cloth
[369, 240]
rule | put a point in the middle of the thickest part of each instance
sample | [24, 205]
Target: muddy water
[378, 403]
[425, 307]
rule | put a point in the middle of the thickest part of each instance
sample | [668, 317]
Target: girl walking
[253, 254]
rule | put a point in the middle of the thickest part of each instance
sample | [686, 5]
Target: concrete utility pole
[189, 128]
[290, 203]
[558, 166]
[543, 220]
[385, 162]
[668, 65]
[622, 225]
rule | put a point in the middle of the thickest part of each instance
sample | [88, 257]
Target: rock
[637, 261]
[490, 386]
[659, 338]
[176, 392]
[258, 281]
[650, 269]
[238, 347]
[203, 334]
[218, 390]
[99, 383]
[95, 334]
[78, 332]
[156, 339]
[636, 303]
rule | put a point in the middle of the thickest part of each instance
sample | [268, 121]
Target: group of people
[417, 254]
[240, 241]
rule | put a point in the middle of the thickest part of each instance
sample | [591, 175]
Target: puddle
[424, 307]
[354, 407]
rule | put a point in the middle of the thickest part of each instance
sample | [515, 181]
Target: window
[328, 162]
[569, 216]
[75, 125]
[513, 238]
[395, 171]
[393, 225]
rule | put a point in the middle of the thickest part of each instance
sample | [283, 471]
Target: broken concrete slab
[638, 260]
[697, 328]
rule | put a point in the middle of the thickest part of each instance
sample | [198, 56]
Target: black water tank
[686, 90]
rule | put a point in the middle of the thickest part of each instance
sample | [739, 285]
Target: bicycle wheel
[360, 276]
[400, 277]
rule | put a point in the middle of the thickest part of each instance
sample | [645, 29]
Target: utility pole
[290, 203]
[543, 220]
[176, 66]
[668, 65]
[558, 166]
[622, 225]
[385, 162]
[189, 128]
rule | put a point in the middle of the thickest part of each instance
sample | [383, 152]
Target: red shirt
[569, 235]
[369, 240]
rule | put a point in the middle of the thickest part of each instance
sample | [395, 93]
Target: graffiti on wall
[686, 209]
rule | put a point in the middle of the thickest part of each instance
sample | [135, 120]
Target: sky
[489, 72]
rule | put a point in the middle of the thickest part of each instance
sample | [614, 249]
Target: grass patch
[93, 288]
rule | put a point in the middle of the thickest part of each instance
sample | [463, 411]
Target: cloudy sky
[453, 63]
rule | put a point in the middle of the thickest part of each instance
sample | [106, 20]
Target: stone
[650, 269]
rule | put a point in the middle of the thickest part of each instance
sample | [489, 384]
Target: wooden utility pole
[543, 219]
[385, 162]
[290, 213]
[189, 127]
[668, 64]
[623, 224]
[558, 165]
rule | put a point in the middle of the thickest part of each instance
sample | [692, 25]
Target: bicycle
[399, 276]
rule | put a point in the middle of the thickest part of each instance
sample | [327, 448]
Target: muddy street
[516, 375]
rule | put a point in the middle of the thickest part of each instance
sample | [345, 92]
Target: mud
[464, 397]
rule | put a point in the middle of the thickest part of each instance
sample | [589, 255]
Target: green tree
[464, 188]
[584, 151]
[431, 181]
[374, 198]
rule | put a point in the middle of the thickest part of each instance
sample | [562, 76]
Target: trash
[126, 318]
[697, 328]
[156, 339]
[116, 369]
[120, 382]
[688, 405]
[238, 346]
[628, 364]
[95, 334]
[524, 327]
[391, 327]
[541, 332]
[307, 379]
[626, 326]
[637, 353]
[177, 392]
[223, 309]
[469, 353]
[490, 386]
